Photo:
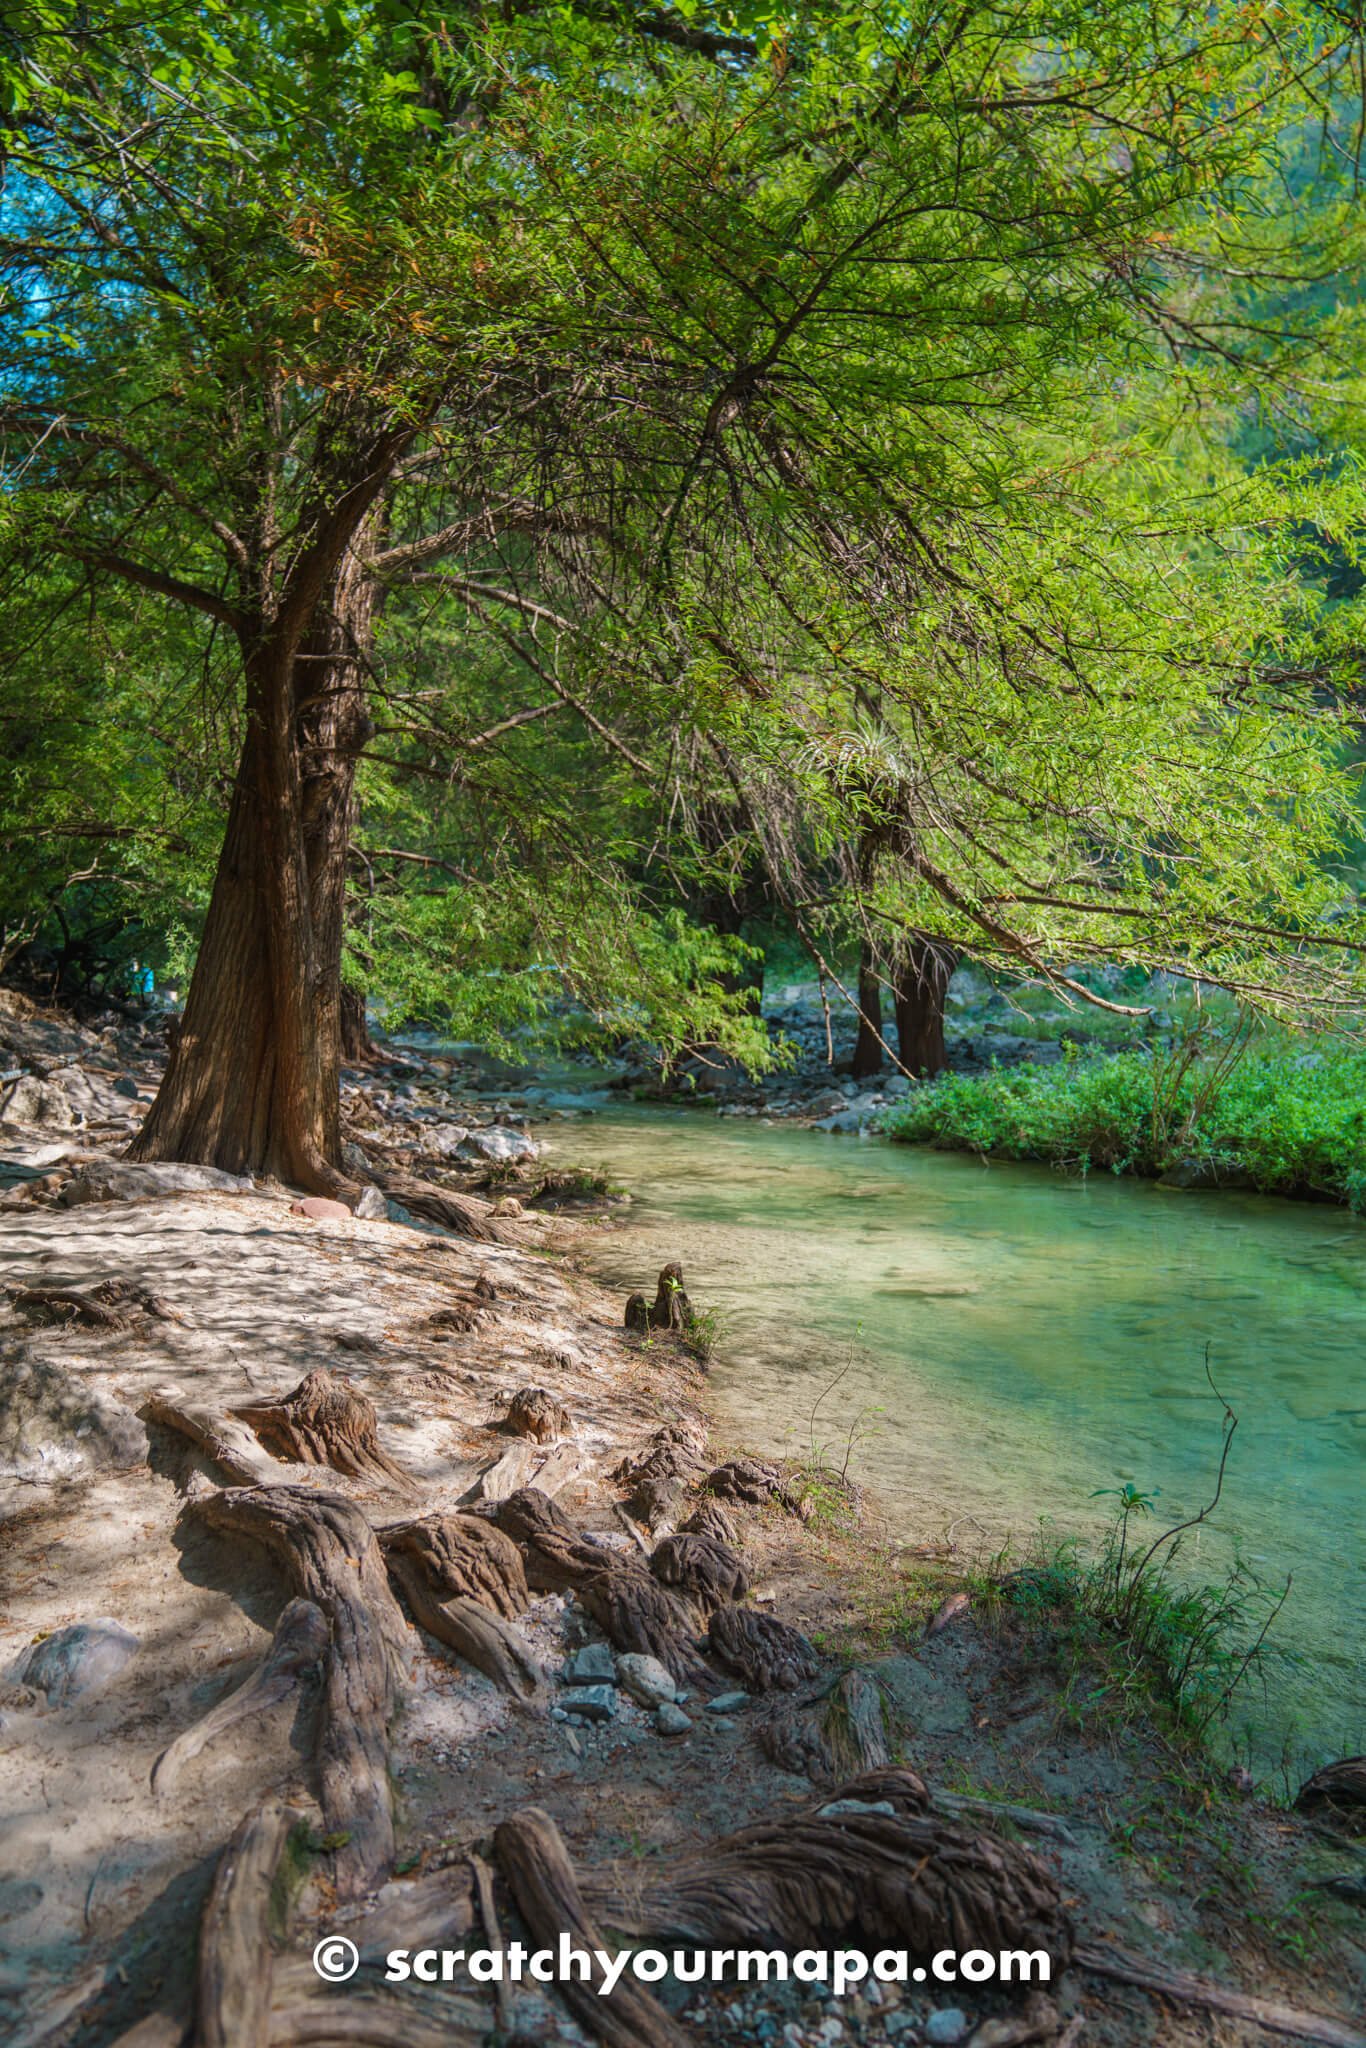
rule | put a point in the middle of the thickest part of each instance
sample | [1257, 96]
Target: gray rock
[828, 1103]
[55, 1423]
[354, 1157]
[646, 1679]
[899, 2024]
[671, 1719]
[127, 1087]
[90, 1095]
[725, 1723]
[594, 1664]
[372, 1207]
[946, 2026]
[116, 1181]
[77, 1660]
[838, 1806]
[591, 1702]
[498, 1144]
[846, 1120]
[897, 1086]
[728, 1702]
[446, 1140]
[31, 1101]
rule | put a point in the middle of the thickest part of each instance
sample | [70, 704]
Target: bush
[1293, 1123]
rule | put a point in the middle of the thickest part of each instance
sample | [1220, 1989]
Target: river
[1013, 1340]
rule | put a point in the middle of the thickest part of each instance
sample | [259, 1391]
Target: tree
[723, 376]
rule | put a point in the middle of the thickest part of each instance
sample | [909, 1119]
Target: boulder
[77, 1660]
[594, 1664]
[499, 1145]
[646, 1679]
[372, 1207]
[31, 1101]
[320, 1209]
[56, 1424]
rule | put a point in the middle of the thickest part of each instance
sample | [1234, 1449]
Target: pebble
[900, 2023]
[946, 2026]
[671, 1720]
[725, 1723]
[728, 1702]
[592, 1702]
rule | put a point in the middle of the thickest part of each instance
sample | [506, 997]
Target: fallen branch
[1124, 1968]
[228, 1443]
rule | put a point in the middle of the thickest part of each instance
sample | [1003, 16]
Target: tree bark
[920, 981]
[868, 1046]
[252, 1084]
[358, 1048]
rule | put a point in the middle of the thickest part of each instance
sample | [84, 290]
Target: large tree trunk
[920, 980]
[868, 1045]
[252, 1083]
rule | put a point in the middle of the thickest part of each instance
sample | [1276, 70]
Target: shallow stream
[1013, 1340]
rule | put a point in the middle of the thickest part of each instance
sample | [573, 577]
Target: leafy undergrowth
[1287, 1122]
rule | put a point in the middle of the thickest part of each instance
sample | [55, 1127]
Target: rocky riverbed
[376, 1551]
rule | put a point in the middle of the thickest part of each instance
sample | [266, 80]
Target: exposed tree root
[701, 1569]
[509, 1472]
[1338, 1789]
[463, 1582]
[461, 1557]
[671, 1309]
[459, 1214]
[709, 1518]
[536, 1414]
[331, 1557]
[325, 1422]
[750, 1483]
[228, 1442]
[632, 1609]
[302, 1636]
[232, 1985]
[760, 1649]
[112, 1305]
[541, 1876]
[844, 1734]
[904, 1879]
[655, 1476]
[1124, 1968]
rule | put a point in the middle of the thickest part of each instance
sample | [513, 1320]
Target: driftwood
[1338, 1789]
[324, 1422]
[535, 1413]
[1123, 1968]
[463, 1582]
[841, 1735]
[301, 1640]
[545, 1887]
[748, 1482]
[228, 1442]
[456, 1213]
[763, 1651]
[904, 1879]
[633, 1610]
[709, 1518]
[331, 1557]
[232, 1985]
[704, 1571]
[1027, 1817]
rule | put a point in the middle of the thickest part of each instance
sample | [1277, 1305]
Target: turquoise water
[1011, 1340]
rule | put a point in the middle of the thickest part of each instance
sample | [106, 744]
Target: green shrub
[1293, 1122]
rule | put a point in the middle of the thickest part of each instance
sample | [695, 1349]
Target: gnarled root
[905, 1879]
[535, 1413]
[709, 1518]
[843, 1734]
[749, 1483]
[232, 1989]
[456, 1213]
[760, 1649]
[701, 1569]
[331, 1557]
[656, 1475]
[1338, 1789]
[301, 1640]
[462, 1580]
[228, 1443]
[537, 1867]
[633, 1610]
[324, 1422]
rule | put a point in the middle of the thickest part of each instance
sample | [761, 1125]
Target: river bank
[197, 1305]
